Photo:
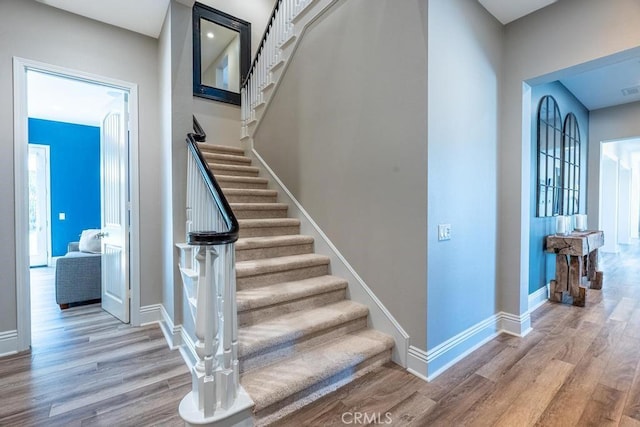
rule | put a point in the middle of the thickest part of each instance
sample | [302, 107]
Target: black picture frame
[201, 11]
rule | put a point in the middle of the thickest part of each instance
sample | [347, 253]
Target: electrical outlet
[62, 216]
[444, 231]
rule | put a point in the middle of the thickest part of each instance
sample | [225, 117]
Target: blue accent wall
[75, 178]
[542, 265]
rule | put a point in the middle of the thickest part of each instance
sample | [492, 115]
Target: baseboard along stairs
[299, 336]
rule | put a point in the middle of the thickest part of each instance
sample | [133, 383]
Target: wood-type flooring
[577, 367]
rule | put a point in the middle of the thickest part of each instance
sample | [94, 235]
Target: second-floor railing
[279, 33]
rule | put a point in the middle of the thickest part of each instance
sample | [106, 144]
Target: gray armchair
[78, 277]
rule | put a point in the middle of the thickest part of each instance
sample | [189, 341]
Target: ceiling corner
[507, 11]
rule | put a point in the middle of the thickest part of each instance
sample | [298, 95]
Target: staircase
[299, 337]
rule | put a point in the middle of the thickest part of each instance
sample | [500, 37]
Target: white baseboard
[8, 343]
[538, 298]
[427, 365]
[379, 317]
[176, 336]
[150, 314]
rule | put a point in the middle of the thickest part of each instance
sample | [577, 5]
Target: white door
[114, 153]
[38, 205]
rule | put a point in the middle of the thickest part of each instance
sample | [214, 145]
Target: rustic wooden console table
[576, 265]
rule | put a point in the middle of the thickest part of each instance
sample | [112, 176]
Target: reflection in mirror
[549, 157]
[219, 56]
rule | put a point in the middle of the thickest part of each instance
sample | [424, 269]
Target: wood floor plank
[455, 402]
[621, 369]
[628, 422]
[567, 406]
[530, 404]
[576, 346]
[604, 407]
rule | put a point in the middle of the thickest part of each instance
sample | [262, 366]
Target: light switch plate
[444, 231]
[62, 216]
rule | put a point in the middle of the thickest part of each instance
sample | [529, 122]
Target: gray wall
[465, 57]
[37, 32]
[562, 35]
[175, 88]
[622, 121]
[221, 121]
[542, 265]
[346, 132]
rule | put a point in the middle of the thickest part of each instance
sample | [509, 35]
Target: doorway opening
[77, 199]
[619, 193]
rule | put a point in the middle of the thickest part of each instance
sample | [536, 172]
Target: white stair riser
[251, 317]
[266, 279]
[272, 354]
[272, 252]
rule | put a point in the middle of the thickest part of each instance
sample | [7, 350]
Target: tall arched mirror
[550, 143]
[571, 166]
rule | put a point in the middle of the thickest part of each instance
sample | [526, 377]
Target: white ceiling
[56, 98]
[608, 85]
[506, 11]
[141, 16]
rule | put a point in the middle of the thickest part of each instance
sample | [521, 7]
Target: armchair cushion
[90, 241]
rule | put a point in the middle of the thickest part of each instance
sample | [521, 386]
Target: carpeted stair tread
[220, 149]
[259, 210]
[276, 382]
[273, 265]
[226, 158]
[226, 181]
[251, 299]
[293, 327]
[268, 222]
[272, 241]
[233, 169]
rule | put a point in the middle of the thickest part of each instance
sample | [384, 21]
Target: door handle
[101, 235]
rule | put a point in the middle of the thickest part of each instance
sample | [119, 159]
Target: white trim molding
[8, 342]
[20, 135]
[151, 314]
[538, 298]
[427, 365]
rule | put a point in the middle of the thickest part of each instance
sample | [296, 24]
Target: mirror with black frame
[549, 157]
[221, 54]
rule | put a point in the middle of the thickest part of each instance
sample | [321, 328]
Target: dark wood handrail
[262, 42]
[205, 237]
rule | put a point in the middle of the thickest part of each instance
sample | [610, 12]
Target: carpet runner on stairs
[299, 337]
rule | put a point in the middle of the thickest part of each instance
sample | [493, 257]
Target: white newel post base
[238, 415]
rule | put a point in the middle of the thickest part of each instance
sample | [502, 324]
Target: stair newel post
[206, 332]
[228, 375]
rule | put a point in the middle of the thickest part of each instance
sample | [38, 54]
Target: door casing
[20, 67]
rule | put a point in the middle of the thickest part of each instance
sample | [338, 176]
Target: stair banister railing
[212, 230]
[278, 33]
